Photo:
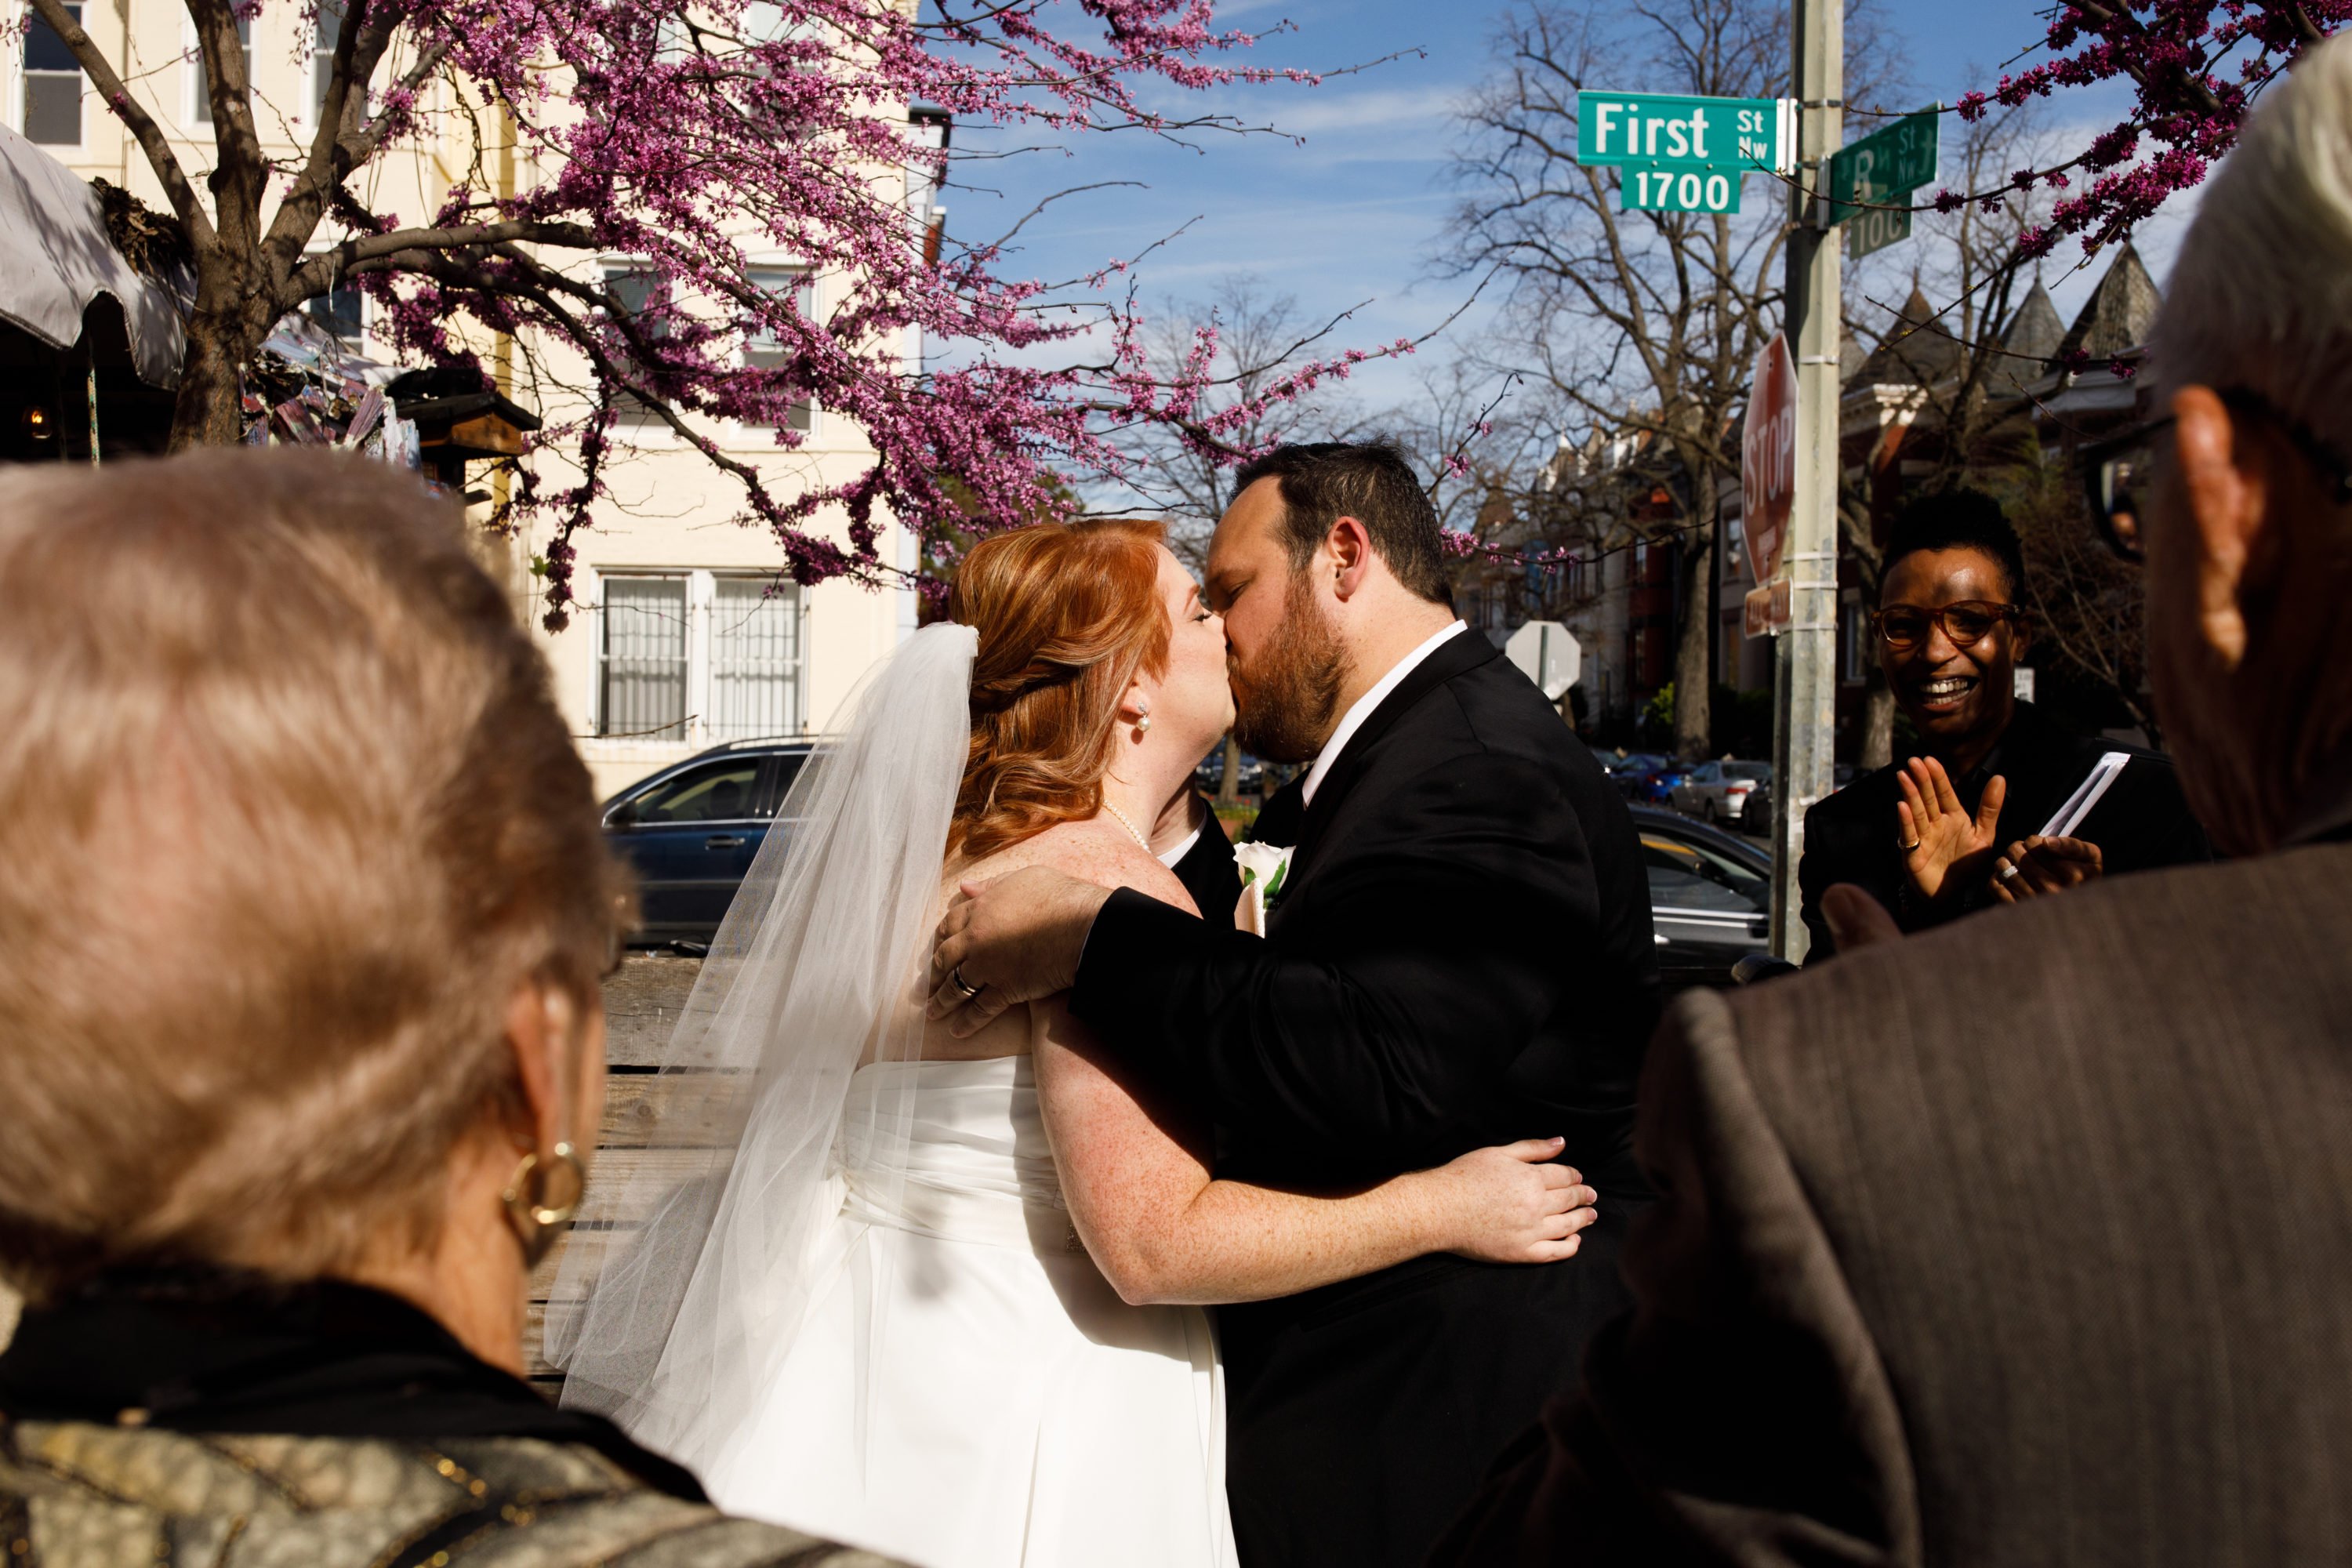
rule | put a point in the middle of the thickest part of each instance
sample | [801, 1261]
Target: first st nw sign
[1679, 153]
[1663, 130]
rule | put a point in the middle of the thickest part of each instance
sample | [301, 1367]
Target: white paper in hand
[2086, 795]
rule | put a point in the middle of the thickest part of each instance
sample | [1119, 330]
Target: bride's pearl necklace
[1130, 828]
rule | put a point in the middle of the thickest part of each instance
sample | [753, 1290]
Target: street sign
[1664, 131]
[1876, 228]
[1768, 458]
[1872, 182]
[1765, 611]
[1548, 653]
[1678, 190]
[1900, 158]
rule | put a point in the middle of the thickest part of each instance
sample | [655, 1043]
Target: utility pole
[1805, 689]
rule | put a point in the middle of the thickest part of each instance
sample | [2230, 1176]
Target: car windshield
[1756, 771]
[1683, 876]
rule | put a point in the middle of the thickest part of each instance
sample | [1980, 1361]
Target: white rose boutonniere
[1264, 868]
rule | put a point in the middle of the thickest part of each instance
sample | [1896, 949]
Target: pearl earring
[1142, 725]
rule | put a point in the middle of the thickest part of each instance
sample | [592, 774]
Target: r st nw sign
[1872, 182]
[1900, 158]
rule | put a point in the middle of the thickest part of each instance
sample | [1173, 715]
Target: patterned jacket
[75, 1494]
[190, 1418]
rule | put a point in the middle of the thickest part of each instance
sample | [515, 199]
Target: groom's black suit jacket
[1461, 956]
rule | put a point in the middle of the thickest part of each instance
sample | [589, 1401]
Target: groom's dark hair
[1323, 481]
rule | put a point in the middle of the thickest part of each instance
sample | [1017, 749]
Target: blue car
[1657, 786]
[691, 831]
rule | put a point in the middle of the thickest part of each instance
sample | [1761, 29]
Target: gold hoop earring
[542, 1198]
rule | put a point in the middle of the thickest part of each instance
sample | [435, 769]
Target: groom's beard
[1284, 698]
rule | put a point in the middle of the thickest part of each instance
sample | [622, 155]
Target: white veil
[690, 1273]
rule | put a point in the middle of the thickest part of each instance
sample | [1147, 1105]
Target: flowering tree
[2195, 67]
[685, 134]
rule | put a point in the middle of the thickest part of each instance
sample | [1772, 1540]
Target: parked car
[1627, 771]
[1211, 771]
[1711, 898]
[1719, 791]
[691, 829]
[1656, 785]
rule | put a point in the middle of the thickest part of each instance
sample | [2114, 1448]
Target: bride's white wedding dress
[1015, 1412]
[849, 1297]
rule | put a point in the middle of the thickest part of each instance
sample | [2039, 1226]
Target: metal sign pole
[1805, 695]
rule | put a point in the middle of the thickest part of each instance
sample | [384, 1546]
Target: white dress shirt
[1354, 719]
[1172, 856]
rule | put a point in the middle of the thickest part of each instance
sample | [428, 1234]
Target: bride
[942, 1298]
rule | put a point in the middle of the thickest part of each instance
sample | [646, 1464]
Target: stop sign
[1768, 458]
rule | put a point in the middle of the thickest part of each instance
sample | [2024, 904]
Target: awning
[55, 259]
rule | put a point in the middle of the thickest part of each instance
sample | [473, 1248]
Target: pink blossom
[691, 136]
[2193, 67]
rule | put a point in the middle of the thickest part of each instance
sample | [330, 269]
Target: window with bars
[699, 658]
[755, 659]
[762, 348]
[52, 103]
[641, 659]
[203, 99]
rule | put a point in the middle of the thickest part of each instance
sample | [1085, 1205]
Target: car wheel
[1714, 817]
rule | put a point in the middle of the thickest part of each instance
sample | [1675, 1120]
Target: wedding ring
[2007, 870]
[1910, 846]
[970, 992]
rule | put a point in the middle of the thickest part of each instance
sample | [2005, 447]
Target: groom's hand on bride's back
[1015, 938]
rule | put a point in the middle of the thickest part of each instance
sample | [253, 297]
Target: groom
[1460, 955]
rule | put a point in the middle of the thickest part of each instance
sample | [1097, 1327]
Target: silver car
[1718, 791]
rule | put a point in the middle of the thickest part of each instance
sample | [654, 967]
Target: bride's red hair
[1067, 615]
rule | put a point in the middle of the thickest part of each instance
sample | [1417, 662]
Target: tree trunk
[1692, 675]
[206, 411]
[1229, 785]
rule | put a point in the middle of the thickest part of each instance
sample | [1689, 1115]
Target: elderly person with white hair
[2030, 1239]
[302, 926]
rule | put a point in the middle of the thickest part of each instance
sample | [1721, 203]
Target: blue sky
[1349, 204]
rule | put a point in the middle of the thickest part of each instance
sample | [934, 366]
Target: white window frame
[16, 85]
[701, 597]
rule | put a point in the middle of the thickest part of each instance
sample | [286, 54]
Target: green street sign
[1661, 130]
[1679, 189]
[1875, 228]
[1884, 166]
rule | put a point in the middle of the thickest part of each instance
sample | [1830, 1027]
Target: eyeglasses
[2117, 471]
[1966, 622]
